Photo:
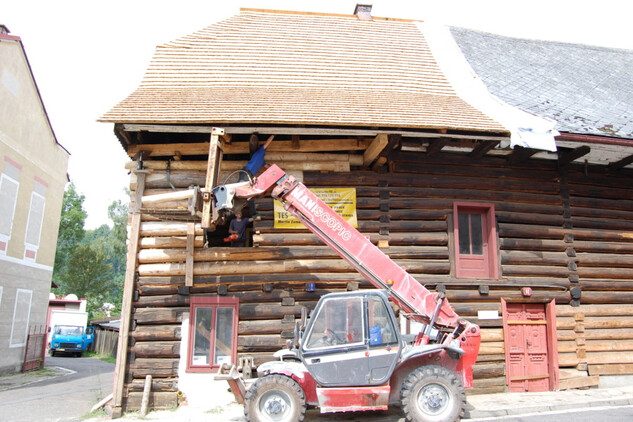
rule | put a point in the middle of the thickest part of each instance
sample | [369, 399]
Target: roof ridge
[338, 15]
[540, 41]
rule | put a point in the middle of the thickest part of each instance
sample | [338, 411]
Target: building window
[36, 219]
[8, 199]
[476, 254]
[212, 332]
[21, 314]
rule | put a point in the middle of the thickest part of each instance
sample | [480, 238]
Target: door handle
[316, 360]
[528, 343]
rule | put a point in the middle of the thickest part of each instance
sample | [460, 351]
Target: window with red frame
[475, 240]
[212, 332]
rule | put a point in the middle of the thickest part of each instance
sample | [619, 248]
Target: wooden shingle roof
[291, 68]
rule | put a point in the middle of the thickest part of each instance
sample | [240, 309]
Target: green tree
[118, 213]
[113, 242]
[87, 274]
[91, 263]
[71, 228]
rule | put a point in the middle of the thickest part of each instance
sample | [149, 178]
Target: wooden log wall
[601, 220]
[557, 230]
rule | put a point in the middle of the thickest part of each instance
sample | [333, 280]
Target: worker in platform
[257, 161]
[238, 226]
[250, 170]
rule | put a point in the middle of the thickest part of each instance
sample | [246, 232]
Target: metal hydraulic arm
[414, 299]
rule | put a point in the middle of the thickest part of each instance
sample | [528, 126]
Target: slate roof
[292, 68]
[586, 89]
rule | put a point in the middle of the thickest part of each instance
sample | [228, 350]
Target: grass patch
[45, 372]
[216, 410]
[104, 358]
[98, 413]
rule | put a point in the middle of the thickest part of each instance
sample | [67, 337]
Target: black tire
[275, 398]
[433, 394]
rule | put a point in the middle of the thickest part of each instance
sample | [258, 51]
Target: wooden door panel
[526, 343]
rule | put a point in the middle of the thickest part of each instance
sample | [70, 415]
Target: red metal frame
[211, 302]
[490, 231]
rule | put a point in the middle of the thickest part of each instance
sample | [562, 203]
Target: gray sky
[87, 55]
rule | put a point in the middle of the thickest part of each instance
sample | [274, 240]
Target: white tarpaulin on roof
[526, 129]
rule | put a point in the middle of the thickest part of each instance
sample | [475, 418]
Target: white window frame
[4, 237]
[32, 246]
[28, 318]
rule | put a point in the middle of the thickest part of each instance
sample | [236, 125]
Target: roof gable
[291, 68]
[16, 60]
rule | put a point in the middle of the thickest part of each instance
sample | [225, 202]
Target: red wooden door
[525, 332]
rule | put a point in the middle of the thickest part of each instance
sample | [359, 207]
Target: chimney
[363, 11]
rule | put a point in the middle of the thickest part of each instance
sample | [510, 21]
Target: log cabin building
[525, 222]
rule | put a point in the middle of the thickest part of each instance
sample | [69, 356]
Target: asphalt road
[602, 414]
[64, 398]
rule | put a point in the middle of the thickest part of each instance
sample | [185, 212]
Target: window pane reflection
[202, 336]
[476, 233]
[464, 233]
[224, 335]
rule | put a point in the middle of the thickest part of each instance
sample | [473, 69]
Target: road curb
[9, 382]
[514, 411]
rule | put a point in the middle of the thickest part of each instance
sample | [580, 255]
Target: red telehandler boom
[351, 356]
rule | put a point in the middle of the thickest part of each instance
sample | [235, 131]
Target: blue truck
[69, 333]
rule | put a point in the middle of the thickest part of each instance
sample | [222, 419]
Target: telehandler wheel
[275, 398]
[433, 394]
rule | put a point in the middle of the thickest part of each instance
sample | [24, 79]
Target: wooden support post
[481, 149]
[375, 148]
[191, 235]
[393, 143]
[126, 306]
[147, 389]
[213, 171]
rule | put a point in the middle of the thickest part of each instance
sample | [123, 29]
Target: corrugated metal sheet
[263, 67]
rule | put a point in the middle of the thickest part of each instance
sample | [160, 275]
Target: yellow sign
[341, 200]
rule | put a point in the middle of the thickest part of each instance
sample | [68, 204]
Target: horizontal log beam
[283, 266]
[531, 231]
[169, 242]
[282, 130]
[156, 332]
[611, 369]
[158, 400]
[595, 310]
[278, 253]
[604, 260]
[202, 148]
[156, 349]
[149, 229]
[161, 385]
[429, 239]
[534, 258]
[532, 244]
